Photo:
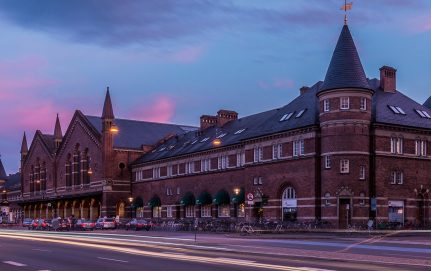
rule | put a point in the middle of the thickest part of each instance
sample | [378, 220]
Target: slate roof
[49, 141]
[13, 182]
[427, 103]
[345, 69]
[133, 134]
[256, 125]
[268, 122]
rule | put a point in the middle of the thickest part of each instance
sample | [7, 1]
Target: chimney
[303, 90]
[207, 121]
[388, 79]
[224, 116]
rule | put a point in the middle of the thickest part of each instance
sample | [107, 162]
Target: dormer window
[344, 103]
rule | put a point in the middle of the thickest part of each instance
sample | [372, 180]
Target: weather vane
[346, 7]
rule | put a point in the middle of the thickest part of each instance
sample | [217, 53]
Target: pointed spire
[108, 113]
[58, 135]
[24, 148]
[345, 69]
[3, 175]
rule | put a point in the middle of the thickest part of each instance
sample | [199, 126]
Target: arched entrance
[85, 210]
[94, 209]
[60, 209]
[344, 206]
[76, 209]
[422, 206]
[289, 204]
[67, 209]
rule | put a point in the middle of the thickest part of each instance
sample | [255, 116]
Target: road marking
[44, 270]
[114, 260]
[235, 260]
[44, 250]
[14, 263]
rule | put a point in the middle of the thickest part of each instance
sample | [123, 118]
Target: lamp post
[131, 207]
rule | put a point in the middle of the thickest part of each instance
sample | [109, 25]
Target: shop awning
[138, 203]
[240, 197]
[188, 199]
[204, 198]
[222, 197]
[155, 202]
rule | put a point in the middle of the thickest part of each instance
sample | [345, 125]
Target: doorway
[344, 212]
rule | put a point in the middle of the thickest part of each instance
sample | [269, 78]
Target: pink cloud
[157, 109]
[420, 24]
[279, 83]
[188, 54]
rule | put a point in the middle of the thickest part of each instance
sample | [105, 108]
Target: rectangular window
[344, 166]
[396, 145]
[327, 161]
[326, 105]
[363, 105]
[168, 211]
[344, 103]
[224, 210]
[400, 177]
[420, 147]
[157, 211]
[258, 154]
[206, 211]
[362, 173]
[276, 151]
[190, 211]
[238, 159]
[298, 148]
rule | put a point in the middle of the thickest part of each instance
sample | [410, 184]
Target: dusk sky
[174, 60]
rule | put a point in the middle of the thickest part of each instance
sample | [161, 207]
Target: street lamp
[131, 206]
[216, 142]
[114, 129]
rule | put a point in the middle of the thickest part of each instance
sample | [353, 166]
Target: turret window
[344, 103]
[344, 166]
[363, 105]
[326, 105]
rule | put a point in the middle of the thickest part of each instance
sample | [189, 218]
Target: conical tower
[24, 149]
[345, 118]
[107, 136]
[3, 175]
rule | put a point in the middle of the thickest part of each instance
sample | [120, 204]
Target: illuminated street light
[114, 129]
[130, 199]
[216, 142]
[236, 191]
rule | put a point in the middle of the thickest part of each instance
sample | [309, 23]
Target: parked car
[138, 224]
[58, 224]
[105, 223]
[122, 222]
[85, 224]
[27, 222]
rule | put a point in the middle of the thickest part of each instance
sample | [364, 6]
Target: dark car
[122, 222]
[85, 224]
[138, 224]
[105, 223]
[27, 222]
[58, 224]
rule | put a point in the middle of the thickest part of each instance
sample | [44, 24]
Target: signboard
[250, 196]
[289, 203]
[395, 203]
[373, 204]
[250, 202]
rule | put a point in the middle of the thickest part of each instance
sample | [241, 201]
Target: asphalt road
[43, 251]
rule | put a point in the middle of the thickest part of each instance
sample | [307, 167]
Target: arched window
[289, 204]
[289, 193]
[43, 177]
[68, 171]
[85, 166]
[76, 167]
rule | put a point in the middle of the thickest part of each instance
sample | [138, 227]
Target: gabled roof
[345, 69]
[303, 113]
[49, 141]
[427, 103]
[133, 134]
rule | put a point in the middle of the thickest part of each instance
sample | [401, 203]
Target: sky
[173, 61]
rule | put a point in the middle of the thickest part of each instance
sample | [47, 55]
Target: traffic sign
[250, 196]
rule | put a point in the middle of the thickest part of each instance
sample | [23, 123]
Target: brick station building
[86, 173]
[345, 150]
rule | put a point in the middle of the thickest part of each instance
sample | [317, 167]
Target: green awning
[204, 198]
[240, 197]
[222, 197]
[188, 199]
[138, 203]
[155, 202]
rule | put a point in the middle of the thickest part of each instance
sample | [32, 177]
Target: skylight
[205, 139]
[171, 147]
[194, 141]
[239, 131]
[423, 114]
[397, 110]
[300, 113]
[286, 116]
[162, 149]
[221, 135]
